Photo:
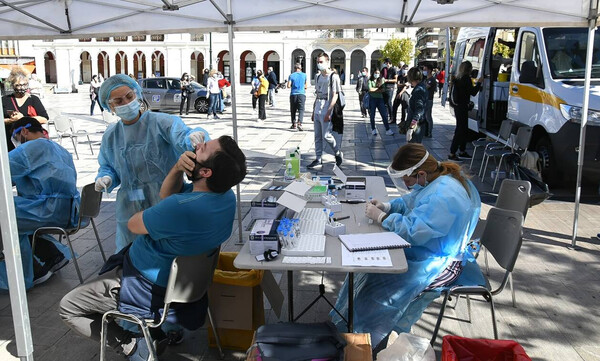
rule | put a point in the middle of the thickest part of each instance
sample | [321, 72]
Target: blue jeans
[429, 117]
[378, 103]
[213, 105]
[272, 96]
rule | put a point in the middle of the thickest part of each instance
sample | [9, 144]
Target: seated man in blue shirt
[195, 221]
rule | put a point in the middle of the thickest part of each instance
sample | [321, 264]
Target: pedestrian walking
[441, 79]
[272, 79]
[297, 81]
[94, 87]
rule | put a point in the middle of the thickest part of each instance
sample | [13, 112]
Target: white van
[534, 76]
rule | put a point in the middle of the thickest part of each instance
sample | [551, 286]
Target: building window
[157, 37]
[338, 34]
[197, 37]
[119, 38]
[102, 39]
[359, 33]
[138, 37]
[85, 40]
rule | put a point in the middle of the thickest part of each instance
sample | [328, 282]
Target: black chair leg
[98, 240]
[439, 320]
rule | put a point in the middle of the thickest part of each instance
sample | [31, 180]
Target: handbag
[539, 190]
[366, 100]
[299, 342]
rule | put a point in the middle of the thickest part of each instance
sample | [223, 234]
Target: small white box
[336, 229]
[263, 236]
[262, 209]
[259, 247]
[335, 206]
[356, 188]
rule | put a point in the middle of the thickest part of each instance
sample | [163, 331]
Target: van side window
[530, 66]
[474, 52]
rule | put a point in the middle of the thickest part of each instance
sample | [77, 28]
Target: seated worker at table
[192, 222]
[437, 218]
[45, 177]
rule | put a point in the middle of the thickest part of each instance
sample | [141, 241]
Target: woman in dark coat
[416, 107]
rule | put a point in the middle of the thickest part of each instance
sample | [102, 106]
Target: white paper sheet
[292, 202]
[380, 258]
[338, 172]
[298, 188]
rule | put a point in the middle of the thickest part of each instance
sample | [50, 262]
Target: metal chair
[502, 237]
[513, 195]
[519, 146]
[64, 129]
[189, 280]
[503, 134]
[89, 208]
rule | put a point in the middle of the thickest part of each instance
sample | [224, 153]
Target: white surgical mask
[404, 72]
[128, 111]
[376, 75]
[322, 66]
[425, 72]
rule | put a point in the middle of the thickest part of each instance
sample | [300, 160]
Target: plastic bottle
[289, 172]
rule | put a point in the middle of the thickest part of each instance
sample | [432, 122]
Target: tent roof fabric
[39, 19]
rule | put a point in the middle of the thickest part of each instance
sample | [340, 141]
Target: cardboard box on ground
[236, 301]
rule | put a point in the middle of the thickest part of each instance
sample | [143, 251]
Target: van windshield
[566, 48]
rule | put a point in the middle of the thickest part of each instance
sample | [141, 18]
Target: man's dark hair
[323, 54]
[414, 74]
[428, 66]
[387, 60]
[29, 123]
[228, 166]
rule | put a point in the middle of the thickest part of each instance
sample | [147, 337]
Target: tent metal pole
[447, 76]
[232, 79]
[12, 256]
[584, 119]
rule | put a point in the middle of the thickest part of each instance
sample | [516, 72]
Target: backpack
[341, 96]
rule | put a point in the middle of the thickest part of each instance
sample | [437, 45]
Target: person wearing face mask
[377, 88]
[186, 90]
[437, 218]
[21, 103]
[213, 94]
[138, 151]
[328, 87]
[416, 106]
[390, 77]
[45, 177]
[431, 86]
[362, 87]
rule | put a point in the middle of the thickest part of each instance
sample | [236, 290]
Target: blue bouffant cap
[114, 82]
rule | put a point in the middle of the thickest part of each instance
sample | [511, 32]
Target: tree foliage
[398, 50]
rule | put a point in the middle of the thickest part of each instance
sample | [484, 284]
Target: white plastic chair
[64, 128]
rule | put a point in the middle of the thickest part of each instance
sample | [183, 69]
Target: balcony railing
[197, 37]
[157, 37]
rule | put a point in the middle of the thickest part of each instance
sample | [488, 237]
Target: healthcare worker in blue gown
[437, 218]
[45, 177]
[138, 151]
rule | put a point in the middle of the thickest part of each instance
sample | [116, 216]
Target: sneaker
[389, 132]
[42, 278]
[315, 163]
[141, 351]
[293, 126]
[454, 157]
[300, 127]
[175, 337]
[58, 263]
[374, 132]
[216, 117]
[464, 155]
[339, 158]
[207, 116]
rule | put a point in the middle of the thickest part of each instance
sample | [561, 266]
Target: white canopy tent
[52, 19]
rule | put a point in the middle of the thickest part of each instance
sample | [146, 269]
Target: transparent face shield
[397, 176]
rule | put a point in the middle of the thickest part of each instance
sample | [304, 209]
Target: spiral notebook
[373, 241]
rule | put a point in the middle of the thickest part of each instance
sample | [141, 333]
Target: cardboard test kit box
[236, 302]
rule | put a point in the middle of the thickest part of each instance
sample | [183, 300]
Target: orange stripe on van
[535, 95]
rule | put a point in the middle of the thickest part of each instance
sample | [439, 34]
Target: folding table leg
[290, 277]
[351, 302]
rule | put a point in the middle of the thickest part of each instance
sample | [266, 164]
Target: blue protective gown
[138, 157]
[437, 221]
[47, 195]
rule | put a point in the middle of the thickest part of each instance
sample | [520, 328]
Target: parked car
[164, 93]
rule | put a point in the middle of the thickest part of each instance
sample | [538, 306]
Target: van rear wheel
[550, 172]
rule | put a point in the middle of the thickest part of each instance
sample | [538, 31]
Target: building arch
[85, 67]
[358, 60]
[158, 63]
[272, 59]
[121, 62]
[247, 66]
[197, 65]
[50, 65]
[223, 63]
[103, 64]
[139, 64]
[337, 60]
[376, 60]
[298, 56]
